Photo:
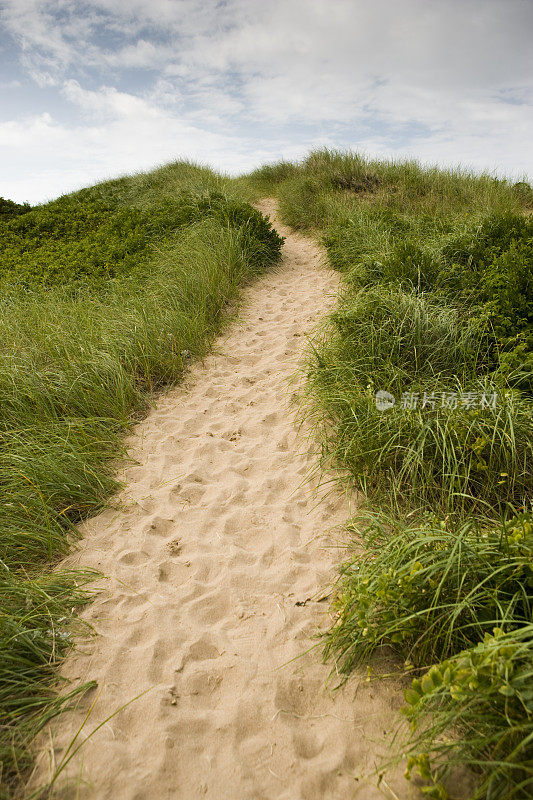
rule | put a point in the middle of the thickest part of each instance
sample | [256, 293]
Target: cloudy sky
[96, 88]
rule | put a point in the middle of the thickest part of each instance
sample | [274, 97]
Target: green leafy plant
[86, 239]
[433, 589]
[475, 712]
[9, 209]
[458, 597]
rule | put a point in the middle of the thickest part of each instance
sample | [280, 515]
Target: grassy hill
[107, 295]
[436, 311]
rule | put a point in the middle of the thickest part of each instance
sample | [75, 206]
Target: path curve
[218, 558]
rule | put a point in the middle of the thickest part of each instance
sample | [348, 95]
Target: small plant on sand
[433, 588]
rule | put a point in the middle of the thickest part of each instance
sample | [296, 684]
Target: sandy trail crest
[217, 558]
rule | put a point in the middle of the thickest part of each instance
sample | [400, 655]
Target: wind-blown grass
[334, 184]
[459, 597]
[437, 301]
[36, 630]
[431, 590]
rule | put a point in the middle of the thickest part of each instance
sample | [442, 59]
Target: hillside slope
[107, 295]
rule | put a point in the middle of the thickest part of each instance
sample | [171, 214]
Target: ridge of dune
[218, 556]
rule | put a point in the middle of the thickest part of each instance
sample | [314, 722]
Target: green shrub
[77, 241]
[432, 590]
[89, 238]
[524, 191]
[491, 265]
[10, 209]
[261, 241]
[506, 290]
[477, 246]
[475, 712]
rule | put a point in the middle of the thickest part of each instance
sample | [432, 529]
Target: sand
[219, 558]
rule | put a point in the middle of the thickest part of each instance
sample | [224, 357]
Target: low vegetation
[9, 209]
[436, 315]
[107, 295]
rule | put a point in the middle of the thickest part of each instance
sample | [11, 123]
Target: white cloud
[140, 54]
[44, 158]
[449, 81]
[109, 103]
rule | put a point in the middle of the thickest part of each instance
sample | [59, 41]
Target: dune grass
[437, 311]
[91, 325]
[438, 302]
[432, 448]
[431, 590]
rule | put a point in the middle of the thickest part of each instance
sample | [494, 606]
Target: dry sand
[218, 557]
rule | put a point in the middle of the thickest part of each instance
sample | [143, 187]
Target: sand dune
[218, 557]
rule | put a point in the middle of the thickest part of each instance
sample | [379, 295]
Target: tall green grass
[437, 304]
[37, 626]
[455, 601]
[126, 281]
[79, 360]
[438, 300]
[338, 182]
[445, 453]
[432, 589]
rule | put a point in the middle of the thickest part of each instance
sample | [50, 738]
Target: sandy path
[217, 558]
